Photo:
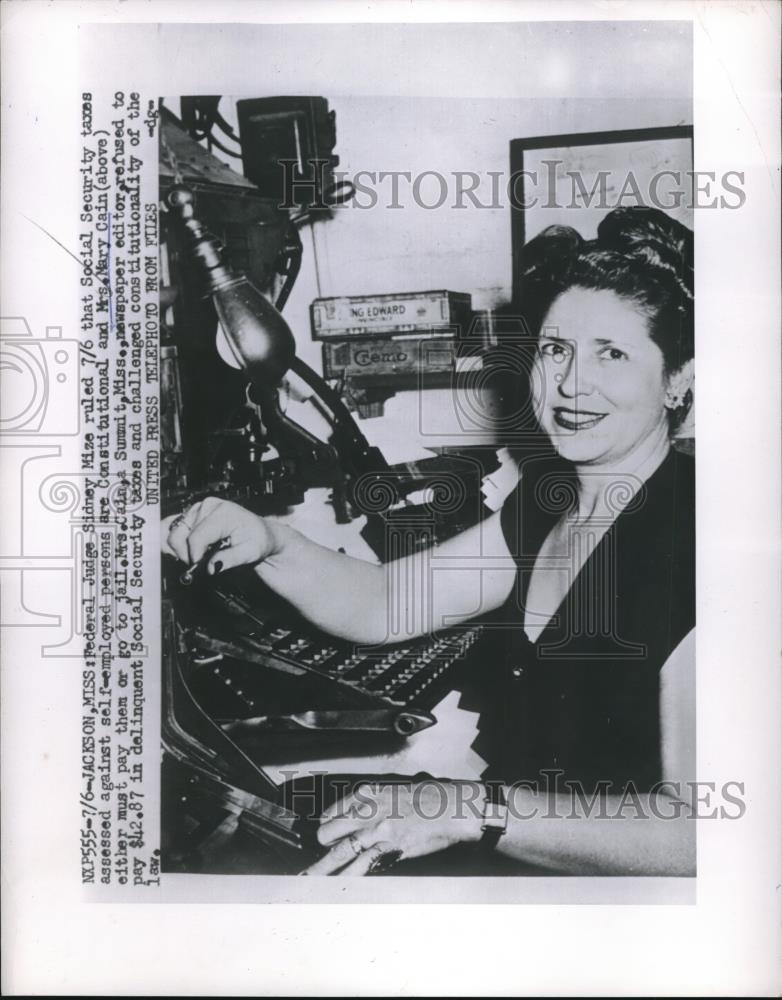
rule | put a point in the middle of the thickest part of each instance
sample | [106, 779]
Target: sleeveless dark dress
[582, 703]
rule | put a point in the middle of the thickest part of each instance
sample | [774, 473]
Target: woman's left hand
[389, 822]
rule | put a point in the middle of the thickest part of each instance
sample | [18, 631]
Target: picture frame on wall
[575, 178]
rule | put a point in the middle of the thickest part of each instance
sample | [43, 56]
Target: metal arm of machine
[260, 342]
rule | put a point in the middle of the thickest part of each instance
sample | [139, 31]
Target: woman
[590, 563]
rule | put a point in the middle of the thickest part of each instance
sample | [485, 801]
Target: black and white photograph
[390, 439]
[429, 492]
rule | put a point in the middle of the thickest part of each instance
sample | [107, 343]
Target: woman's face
[599, 382]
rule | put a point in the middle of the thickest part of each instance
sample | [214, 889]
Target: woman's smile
[576, 420]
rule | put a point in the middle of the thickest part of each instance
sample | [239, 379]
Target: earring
[673, 400]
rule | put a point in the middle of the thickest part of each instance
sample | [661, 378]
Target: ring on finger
[178, 521]
[354, 844]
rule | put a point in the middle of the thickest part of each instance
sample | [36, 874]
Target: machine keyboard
[398, 675]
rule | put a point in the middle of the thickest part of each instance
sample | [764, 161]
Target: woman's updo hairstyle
[641, 254]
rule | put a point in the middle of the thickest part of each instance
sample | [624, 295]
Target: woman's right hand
[247, 538]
